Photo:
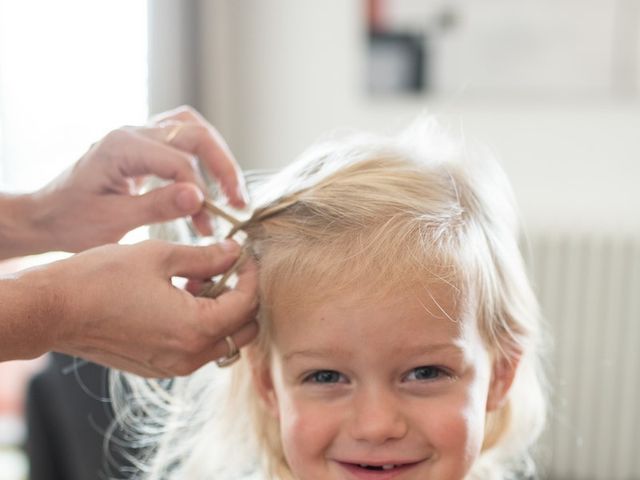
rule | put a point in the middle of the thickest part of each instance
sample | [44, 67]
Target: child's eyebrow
[416, 350]
[316, 352]
[413, 350]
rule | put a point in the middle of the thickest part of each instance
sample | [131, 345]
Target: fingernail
[188, 202]
[228, 246]
[241, 190]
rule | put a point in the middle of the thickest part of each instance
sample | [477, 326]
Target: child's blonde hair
[377, 216]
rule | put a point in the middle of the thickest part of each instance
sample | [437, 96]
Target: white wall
[282, 72]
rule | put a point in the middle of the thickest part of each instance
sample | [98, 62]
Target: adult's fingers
[202, 222]
[188, 131]
[135, 155]
[241, 337]
[201, 262]
[183, 113]
[225, 314]
[163, 204]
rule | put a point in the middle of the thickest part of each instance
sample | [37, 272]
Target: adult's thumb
[202, 262]
[170, 202]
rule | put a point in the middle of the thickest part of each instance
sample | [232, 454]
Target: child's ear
[502, 375]
[263, 383]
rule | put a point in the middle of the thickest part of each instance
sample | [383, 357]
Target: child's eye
[428, 372]
[324, 376]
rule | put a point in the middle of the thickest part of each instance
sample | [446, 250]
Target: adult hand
[116, 305]
[96, 201]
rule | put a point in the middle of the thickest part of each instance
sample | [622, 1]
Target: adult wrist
[29, 318]
[45, 292]
[19, 232]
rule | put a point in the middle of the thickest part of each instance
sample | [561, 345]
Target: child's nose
[377, 417]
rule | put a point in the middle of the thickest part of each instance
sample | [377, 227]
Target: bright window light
[69, 72]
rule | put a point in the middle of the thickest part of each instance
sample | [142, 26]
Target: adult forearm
[19, 231]
[28, 321]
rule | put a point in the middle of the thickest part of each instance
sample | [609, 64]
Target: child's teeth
[383, 467]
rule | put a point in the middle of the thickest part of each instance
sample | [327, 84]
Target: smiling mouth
[366, 470]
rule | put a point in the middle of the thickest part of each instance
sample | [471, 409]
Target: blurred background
[551, 86]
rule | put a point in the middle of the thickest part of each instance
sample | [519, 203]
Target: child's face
[357, 386]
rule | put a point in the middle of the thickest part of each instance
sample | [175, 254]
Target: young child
[399, 338]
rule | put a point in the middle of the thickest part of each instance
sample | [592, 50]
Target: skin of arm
[25, 332]
[19, 232]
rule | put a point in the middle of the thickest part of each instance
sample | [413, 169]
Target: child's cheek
[463, 414]
[307, 429]
[458, 431]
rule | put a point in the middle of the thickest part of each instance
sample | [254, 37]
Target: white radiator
[589, 289]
